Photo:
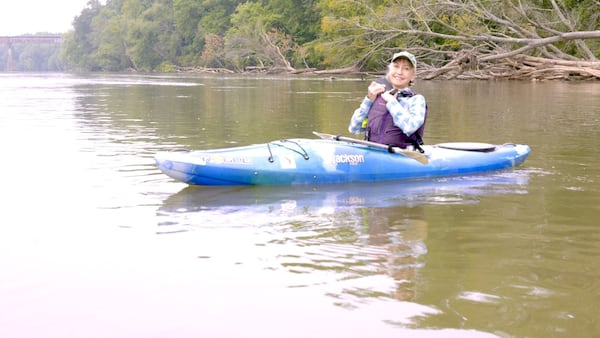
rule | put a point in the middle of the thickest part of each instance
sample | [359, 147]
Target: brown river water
[96, 242]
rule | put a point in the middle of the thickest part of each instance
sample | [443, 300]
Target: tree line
[538, 39]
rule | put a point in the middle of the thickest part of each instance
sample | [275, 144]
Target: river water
[96, 242]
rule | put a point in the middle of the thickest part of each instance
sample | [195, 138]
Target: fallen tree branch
[517, 67]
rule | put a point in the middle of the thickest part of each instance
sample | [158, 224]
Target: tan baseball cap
[407, 56]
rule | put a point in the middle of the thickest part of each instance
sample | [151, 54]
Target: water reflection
[371, 239]
[275, 204]
[402, 233]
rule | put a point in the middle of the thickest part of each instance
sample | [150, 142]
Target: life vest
[381, 127]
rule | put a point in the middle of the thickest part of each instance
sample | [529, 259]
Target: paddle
[408, 153]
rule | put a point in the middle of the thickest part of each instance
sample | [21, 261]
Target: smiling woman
[38, 16]
[391, 113]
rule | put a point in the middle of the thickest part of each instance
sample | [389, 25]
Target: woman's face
[400, 73]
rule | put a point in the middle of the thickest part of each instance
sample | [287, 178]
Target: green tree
[80, 45]
[150, 36]
[297, 18]
[347, 38]
[300, 21]
[38, 58]
[200, 22]
[254, 40]
[109, 29]
[216, 17]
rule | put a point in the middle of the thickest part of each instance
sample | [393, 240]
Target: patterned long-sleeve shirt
[408, 114]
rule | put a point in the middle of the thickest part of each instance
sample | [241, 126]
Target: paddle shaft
[411, 154]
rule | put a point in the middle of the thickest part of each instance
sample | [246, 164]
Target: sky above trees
[38, 16]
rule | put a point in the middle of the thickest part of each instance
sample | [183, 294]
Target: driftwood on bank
[466, 66]
[463, 66]
[204, 70]
[518, 67]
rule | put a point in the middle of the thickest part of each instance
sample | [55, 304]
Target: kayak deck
[318, 161]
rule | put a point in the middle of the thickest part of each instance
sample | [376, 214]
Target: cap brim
[405, 58]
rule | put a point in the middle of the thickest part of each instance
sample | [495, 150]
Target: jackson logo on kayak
[288, 162]
[352, 159]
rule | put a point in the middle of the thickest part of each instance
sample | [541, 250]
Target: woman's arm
[408, 113]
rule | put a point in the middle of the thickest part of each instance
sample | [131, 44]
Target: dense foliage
[163, 34]
[290, 35]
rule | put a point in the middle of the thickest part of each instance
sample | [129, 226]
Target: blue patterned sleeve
[360, 114]
[408, 113]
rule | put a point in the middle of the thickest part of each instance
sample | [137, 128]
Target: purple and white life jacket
[381, 127]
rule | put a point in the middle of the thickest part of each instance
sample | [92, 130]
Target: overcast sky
[18, 17]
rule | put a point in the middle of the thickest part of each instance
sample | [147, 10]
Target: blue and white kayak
[334, 159]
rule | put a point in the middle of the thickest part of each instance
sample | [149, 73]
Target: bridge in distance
[26, 39]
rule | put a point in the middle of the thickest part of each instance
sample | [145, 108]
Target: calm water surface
[96, 242]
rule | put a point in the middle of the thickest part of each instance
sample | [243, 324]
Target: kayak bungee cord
[304, 153]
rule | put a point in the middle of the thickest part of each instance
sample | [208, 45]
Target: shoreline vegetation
[464, 67]
[470, 39]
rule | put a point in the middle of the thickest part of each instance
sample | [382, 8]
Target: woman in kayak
[392, 113]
